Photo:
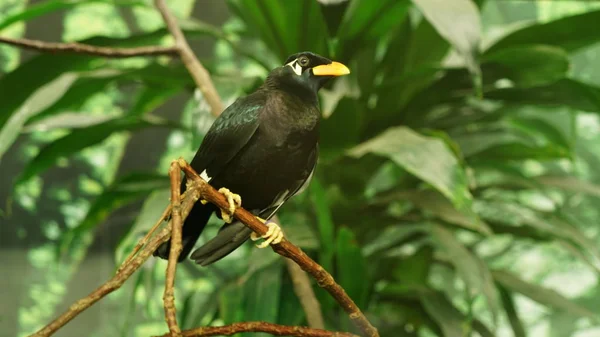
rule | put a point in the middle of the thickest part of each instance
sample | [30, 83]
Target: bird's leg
[234, 201]
[273, 236]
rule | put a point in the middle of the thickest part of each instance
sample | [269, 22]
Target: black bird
[263, 147]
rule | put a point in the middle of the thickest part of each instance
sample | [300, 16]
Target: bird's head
[306, 71]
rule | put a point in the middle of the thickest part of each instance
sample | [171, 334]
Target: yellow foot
[234, 201]
[272, 237]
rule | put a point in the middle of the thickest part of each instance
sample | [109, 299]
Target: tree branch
[191, 196]
[198, 72]
[80, 48]
[273, 329]
[287, 249]
[306, 295]
[169, 294]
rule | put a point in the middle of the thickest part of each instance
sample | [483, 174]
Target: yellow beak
[331, 69]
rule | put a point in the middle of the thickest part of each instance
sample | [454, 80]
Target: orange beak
[331, 69]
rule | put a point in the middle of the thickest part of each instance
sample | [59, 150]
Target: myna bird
[263, 150]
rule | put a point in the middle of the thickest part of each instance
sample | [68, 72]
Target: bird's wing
[296, 188]
[228, 135]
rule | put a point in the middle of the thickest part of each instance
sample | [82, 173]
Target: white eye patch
[295, 67]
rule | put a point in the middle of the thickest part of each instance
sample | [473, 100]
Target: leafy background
[456, 193]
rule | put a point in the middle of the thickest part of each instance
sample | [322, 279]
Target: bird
[261, 150]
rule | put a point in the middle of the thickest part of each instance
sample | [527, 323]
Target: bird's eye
[303, 61]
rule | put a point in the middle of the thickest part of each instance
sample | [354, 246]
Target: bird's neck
[293, 86]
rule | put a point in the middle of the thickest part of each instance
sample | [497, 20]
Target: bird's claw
[234, 201]
[272, 237]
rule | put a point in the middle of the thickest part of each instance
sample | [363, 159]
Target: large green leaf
[470, 268]
[540, 294]
[425, 157]
[511, 312]
[324, 222]
[262, 293]
[123, 191]
[286, 27]
[450, 319]
[569, 33]
[38, 101]
[570, 184]
[49, 6]
[464, 37]
[527, 65]
[431, 201]
[76, 141]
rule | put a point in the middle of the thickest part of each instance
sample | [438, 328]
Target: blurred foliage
[457, 188]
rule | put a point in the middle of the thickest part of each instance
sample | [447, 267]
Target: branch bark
[287, 249]
[169, 294]
[80, 48]
[197, 71]
[273, 329]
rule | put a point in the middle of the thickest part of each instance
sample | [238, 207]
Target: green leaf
[38, 101]
[450, 319]
[76, 141]
[43, 8]
[366, 21]
[286, 27]
[123, 191]
[565, 92]
[431, 201]
[511, 312]
[262, 294]
[570, 184]
[413, 272]
[465, 36]
[544, 296]
[570, 33]
[324, 223]
[427, 158]
[152, 209]
[351, 267]
[527, 65]
[391, 236]
[470, 268]
[341, 130]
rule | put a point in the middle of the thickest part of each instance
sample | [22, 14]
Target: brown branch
[306, 295]
[287, 249]
[80, 48]
[191, 196]
[197, 71]
[169, 295]
[273, 329]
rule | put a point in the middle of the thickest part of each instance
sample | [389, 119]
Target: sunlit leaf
[570, 33]
[511, 312]
[465, 36]
[470, 268]
[43, 8]
[123, 191]
[450, 319]
[38, 101]
[570, 184]
[540, 294]
[425, 157]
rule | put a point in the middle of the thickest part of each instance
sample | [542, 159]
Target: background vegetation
[456, 189]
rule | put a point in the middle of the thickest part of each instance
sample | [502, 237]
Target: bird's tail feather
[227, 240]
[192, 228]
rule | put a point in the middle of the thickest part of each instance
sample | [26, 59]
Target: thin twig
[273, 329]
[191, 196]
[197, 71]
[306, 295]
[169, 295]
[287, 249]
[81, 48]
[145, 239]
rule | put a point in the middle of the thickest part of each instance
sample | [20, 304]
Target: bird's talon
[273, 236]
[203, 201]
[234, 201]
